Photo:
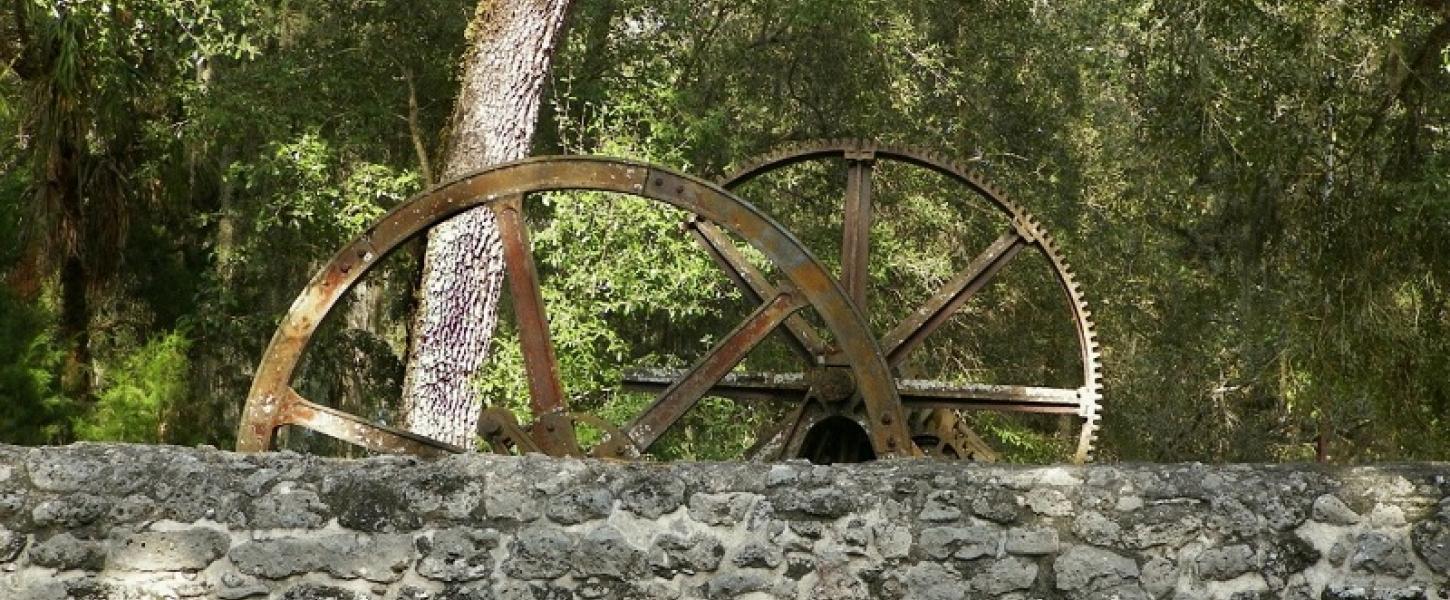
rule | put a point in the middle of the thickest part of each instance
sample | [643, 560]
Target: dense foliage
[1256, 197]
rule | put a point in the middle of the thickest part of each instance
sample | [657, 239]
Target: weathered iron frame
[1023, 232]
[272, 402]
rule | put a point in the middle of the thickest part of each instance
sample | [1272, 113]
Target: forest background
[1256, 196]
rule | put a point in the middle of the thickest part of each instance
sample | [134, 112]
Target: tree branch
[416, 131]
[1418, 69]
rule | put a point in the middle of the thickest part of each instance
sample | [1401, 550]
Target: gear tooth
[1029, 225]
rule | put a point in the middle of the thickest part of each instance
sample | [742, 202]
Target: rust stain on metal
[847, 375]
[541, 365]
[806, 284]
[940, 435]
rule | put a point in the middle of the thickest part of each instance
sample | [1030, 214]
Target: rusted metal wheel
[933, 405]
[804, 283]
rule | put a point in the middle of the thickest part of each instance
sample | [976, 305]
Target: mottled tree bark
[510, 49]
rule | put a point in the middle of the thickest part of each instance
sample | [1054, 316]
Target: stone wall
[112, 521]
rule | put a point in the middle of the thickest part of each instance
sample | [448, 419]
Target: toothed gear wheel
[924, 399]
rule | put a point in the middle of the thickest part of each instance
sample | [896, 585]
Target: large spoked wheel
[822, 429]
[273, 402]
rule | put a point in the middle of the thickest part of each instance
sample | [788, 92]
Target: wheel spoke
[546, 391]
[685, 392]
[856, 227]
[938, 309]
[799, 335]
[736, 386]
[918, 393]
[296, 410]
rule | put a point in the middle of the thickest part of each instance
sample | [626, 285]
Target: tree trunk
[510, 50]
[75, 281]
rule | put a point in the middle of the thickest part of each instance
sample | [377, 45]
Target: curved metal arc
[261, 416]
[1090, 395]
[811, 150]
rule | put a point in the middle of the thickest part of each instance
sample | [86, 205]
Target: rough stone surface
[1163, 524]
[1158, 576]
[1032, 541]
[118, 522]
[720, 509]
[935, 581]
[69, 511]
[997, 505]
[1221, 564]
[186, 550]
[381, 557]
[64, 552]
[580, 504]
[1049, 502]
[457, 554]
[11, 544]
[317, 591]
[539, 553]
[288, 509]
[1329, 509]
[653, 494]
[1381, 553]
[1084, 568]
[1096, 528]
[827, 502]
[963, 543]
[941, 507]
[604, 552]
[759, 555]
[1005, 576]
[673, 554]
[1431, 538]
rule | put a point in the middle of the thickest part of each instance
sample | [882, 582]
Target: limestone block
[457, 554]
[186, 550]
[1085, 568]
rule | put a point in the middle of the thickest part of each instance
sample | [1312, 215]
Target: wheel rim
[273, 403]
[936, 430]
